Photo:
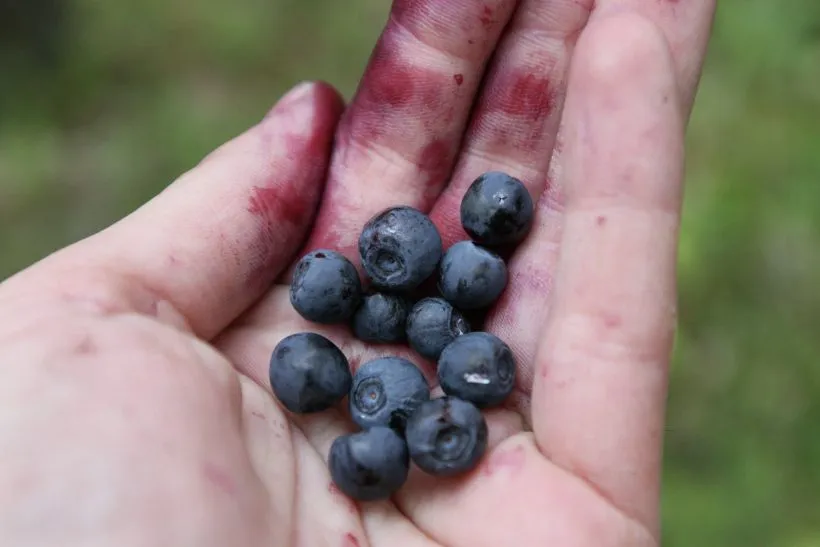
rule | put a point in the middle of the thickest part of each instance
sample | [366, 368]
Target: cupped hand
[133, 364]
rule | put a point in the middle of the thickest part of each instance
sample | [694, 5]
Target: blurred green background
[117, 98]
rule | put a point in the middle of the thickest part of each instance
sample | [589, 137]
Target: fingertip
[621, 48]
[623, 96]
[325, 95]
[328, 90]
[316, 102]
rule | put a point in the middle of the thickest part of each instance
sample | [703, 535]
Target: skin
[133, 364]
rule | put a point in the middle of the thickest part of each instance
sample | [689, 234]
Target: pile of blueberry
[388, 397]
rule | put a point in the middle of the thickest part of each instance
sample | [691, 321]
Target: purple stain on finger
[520, 94]
[486, 17]
[530, 95]
[393, 89]
[275, 206]
[284, 201]
[435, 161]
[393, 81]
[281, 212]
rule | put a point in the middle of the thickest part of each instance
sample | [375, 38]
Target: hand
[133, 364]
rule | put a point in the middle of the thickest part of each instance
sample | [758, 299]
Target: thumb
[212, 242]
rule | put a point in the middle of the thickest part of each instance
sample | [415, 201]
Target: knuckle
[621, 45]
[605, 336]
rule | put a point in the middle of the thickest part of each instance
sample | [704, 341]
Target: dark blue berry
[497, 209]
[399, 248]
[369, 465]
[446, 436]
[471, 277]
[325, 287]
[386, 391]
[308, 373]
[381, 318]
[432, 324]
[477, 367]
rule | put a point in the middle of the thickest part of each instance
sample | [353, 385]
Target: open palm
[133, 365]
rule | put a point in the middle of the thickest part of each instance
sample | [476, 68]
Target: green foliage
[145, 89]
[744, 443]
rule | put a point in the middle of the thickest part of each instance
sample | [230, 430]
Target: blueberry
[446, 436]
[386, 391]
[432, 324]
[381, 318]
[477, 367]
[497, 209]
[325, 287]
[369, 465]
[308, 373]
[471, 277]
[399, 248]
